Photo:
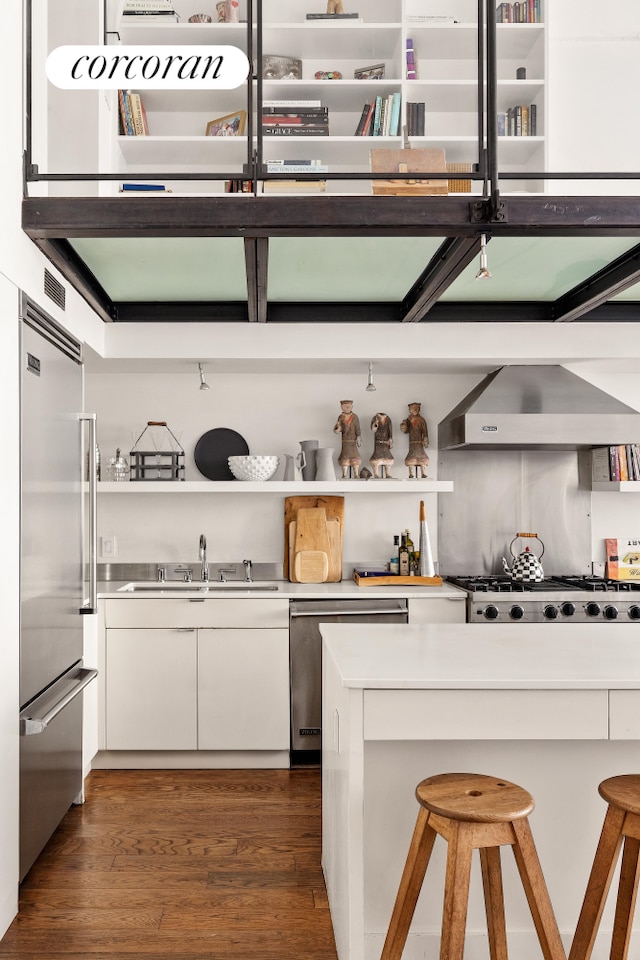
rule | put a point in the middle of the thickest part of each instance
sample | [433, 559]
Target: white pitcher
[309, 449]
[293, 466]
[325, 469]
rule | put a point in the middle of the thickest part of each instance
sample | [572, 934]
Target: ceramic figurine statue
[382, 459]
[416, 426]
[348, 425]
[335, 6]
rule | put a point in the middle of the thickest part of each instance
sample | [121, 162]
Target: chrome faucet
[204, 575]
[247, 571]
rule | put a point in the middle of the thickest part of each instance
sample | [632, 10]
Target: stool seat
[622, 791]
[472, 811]
[621, 827]
[474, 797]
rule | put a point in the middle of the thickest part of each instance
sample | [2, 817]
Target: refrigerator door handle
[33, 725]
[92, 605]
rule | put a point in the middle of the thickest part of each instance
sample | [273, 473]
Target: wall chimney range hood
[540, 408]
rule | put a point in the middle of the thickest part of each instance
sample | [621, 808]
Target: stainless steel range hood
[537, 407]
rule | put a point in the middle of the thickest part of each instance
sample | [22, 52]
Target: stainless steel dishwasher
[305, 654]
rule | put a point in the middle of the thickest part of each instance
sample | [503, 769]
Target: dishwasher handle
[32, 725]
[296, 611]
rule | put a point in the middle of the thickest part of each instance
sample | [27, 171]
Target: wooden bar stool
[473, 811]
[621, 823]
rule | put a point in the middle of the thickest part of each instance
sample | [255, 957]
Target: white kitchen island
[555, 708]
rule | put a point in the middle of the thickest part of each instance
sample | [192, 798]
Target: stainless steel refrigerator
[53, 563]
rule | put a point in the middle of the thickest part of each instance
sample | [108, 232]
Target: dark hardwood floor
[181, 864]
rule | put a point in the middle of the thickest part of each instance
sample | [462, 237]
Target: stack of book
[335, 16]
[133, 119]
[519, 121]
[161, 10]
[618, 462]
[295, 118]
[311, 183]
[527, 11]
[238, 186]
[380, 118]
[416, 119]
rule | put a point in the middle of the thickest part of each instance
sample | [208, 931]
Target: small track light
[203, 383]
[483, 273]
[370, 384]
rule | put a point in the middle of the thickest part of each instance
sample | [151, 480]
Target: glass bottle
[403, 556]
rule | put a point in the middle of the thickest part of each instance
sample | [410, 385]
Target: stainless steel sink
[177, 586]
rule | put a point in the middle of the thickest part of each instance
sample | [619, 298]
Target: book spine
[525, 121]
[394, 121]
[125, 108]
[143, 187]
[622, 460]
[293, 118]
[303, 130]
[136, 114]
[411, 61]
[295, 168]
[502, 124]
[600, 464]
[362, 120]
[421, 119]
[376, 116]
[291, 103]
[298, 112]
[635, 448]
[533, 120]
[294, 163]
[615, 463]
[333, 16]
[367, 129]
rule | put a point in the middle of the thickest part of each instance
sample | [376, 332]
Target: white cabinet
[243, 689]
[151, 689]
[437, 609]
[184, 674]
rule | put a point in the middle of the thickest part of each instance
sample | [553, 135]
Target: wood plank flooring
[181, 865]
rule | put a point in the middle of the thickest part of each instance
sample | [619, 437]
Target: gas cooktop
[559, 599]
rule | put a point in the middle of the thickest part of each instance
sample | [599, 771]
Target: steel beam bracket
[479, 211]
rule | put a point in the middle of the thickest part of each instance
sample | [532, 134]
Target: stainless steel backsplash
[499, 493]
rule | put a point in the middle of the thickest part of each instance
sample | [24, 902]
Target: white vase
[325, 470]
[309, 449]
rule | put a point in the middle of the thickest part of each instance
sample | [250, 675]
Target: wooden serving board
[393, 580]
[334, 510]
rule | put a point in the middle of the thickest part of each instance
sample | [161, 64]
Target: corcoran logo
[147, 67]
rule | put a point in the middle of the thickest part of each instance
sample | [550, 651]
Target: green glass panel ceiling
[347, 269]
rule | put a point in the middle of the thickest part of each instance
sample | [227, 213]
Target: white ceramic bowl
[253, 467]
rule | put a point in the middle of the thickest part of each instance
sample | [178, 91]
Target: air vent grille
[32, 314]
[54, 289]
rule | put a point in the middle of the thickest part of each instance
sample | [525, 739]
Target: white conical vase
[426, 567]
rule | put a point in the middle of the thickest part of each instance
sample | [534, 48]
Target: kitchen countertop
[345, 590]
[485, 656]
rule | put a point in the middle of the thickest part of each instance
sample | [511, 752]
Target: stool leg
[494, 902]
[456, 890]
[625, 905]
[598, 884]
[410, 885]
[536, 890]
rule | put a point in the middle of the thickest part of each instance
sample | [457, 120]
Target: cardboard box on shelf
[623, 559]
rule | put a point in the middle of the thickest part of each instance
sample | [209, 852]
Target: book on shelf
[411, 60]
[293, 163]
[133, 6]
[144, 188]
[157, 15]
[299, 111]
[416, 119]
[334, 16]
[298, 130]
[519, 121]
[459, 185]
[292, 119]
[526, 11]
[266, 104]
[618, 462]
[133, 118]
[428, 18]
[377, 115]
[294, 186]
[288, 168]
[238, 186]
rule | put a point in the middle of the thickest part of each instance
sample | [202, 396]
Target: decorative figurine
[348, 425]
[335, 6]
[416, 426]
[382, 459]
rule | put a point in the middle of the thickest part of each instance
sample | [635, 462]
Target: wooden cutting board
[311, 566]
[334, 510]
[334, 530]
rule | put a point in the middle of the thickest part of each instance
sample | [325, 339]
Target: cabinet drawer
[437, 609]
[624, 714]
[183, 612]
[486, 715]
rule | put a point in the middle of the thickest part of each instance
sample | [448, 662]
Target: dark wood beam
[62, 217]
[256, 254]
[597, 289]
[445, 266]
[74, 269]
[175, 311]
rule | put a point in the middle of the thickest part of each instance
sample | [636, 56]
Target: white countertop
[486, 656]
[345, 590]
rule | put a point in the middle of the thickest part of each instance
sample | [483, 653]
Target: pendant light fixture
[370, 384]
[483, 273]
[203, 383]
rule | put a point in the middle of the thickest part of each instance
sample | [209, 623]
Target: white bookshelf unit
[446, 56]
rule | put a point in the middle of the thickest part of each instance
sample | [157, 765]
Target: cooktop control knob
[610, 612]
[634, 612]
[567, 609]
[516, 612]
[491, 612]
[550, 612]
[592, 609]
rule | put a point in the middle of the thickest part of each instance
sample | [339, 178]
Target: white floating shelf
[277, 486]
[616, 486]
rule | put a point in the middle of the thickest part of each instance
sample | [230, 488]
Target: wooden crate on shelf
[427, 160]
